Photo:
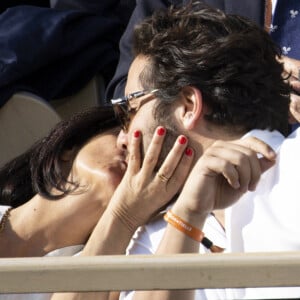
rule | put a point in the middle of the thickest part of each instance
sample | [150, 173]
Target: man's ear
[192, 106]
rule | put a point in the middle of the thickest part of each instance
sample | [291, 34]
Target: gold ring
[162, 177]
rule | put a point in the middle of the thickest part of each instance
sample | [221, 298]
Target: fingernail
[188, 152]
[182, 140]
[136, 134]
[161, 131]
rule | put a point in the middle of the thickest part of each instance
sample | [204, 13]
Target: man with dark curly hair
[262, 12]
[215, 79]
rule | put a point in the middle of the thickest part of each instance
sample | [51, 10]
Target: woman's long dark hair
[40, 169]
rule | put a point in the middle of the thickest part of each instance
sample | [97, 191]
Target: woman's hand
[142, 192]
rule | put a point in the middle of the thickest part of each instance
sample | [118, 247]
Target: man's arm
[221, 176]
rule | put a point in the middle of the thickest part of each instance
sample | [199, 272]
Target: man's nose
[122, 141]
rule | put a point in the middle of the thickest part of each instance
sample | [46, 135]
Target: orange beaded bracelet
[184, 227]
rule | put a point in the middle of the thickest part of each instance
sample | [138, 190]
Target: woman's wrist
[111, 235]
[128, 220]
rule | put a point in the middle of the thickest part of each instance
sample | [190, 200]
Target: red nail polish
[182, 140]
[161, 131]
[188, 152]
[136, 134]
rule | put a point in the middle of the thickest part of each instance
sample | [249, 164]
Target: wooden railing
[183, 271]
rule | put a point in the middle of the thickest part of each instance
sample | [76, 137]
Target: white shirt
[274, 3]
[268, 218]
[148, 237]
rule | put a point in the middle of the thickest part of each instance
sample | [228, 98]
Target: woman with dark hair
[54, 195]
[43, 166]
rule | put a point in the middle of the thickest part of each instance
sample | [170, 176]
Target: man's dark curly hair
[228, 58]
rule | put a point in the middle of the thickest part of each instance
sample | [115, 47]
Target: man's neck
[209, 134]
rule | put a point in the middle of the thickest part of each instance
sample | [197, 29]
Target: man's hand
[224, 173]
[292, 68]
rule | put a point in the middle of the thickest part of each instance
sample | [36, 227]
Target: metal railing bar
[149, 272]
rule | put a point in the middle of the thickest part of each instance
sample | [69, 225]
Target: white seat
[24, 119]
[92, 94]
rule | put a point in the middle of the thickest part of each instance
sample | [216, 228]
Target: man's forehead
[133, 79]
